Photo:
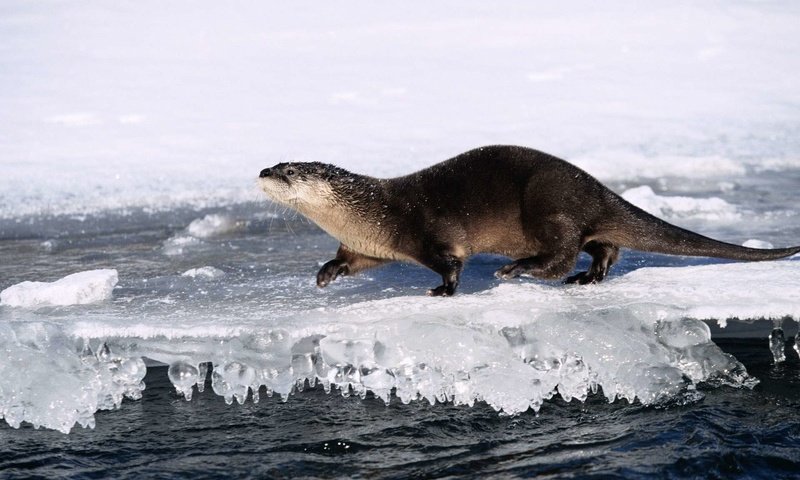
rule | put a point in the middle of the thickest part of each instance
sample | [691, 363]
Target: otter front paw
[584, 278]
[330, 271]
[442, 291]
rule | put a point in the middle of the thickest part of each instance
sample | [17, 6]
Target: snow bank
[76, 289]
[678, 208]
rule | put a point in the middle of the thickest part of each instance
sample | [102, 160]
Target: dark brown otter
[507, 200]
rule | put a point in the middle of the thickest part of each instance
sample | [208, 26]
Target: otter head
[302, 186]
[341, 203]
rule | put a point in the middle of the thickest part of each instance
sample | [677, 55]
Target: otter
[518, 202]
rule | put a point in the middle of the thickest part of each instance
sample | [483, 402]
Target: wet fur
[512, 201]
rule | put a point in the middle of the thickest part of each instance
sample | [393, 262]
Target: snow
[186, 109]
[76, 289]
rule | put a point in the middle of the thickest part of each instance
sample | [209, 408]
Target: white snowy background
[115, 109]
[119, 104]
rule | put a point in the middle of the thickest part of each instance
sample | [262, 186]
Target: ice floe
[627, 165]
[76, 289]
[755, 243]
[213, 225]
[210, 226]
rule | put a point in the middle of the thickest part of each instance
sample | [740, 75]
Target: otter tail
[651, 234]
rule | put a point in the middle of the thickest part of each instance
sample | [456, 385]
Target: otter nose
[265, 173]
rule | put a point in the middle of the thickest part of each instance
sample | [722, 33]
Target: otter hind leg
[559, 245]
[542, 266]
[331, 270]
[447, 265]
[604, 255]
[347, 262]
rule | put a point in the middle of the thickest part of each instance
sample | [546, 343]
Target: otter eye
[290, 172]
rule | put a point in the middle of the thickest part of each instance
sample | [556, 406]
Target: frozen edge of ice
[627, 337]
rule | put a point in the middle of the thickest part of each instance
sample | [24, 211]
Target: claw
[441, 291]
[507, 272]
[330, 271]
[582, 278]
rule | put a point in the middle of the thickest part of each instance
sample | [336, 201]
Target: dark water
[730, 433]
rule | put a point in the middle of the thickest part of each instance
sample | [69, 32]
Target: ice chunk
[627, 165]
[676, 207]
[76, 289]
[178, 244]
[204, 272]
[212, 225]
[753, 243]
[683, 333]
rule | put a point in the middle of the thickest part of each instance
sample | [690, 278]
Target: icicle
[777, 344]
[183, 376]
[202, 374]
[104, 354]
[797, 343]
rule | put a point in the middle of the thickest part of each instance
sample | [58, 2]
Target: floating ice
[210, 226]
[213, 225]
[753, 243]
[203, 272]
[626, 165]
[777, 164]
[677, 207]
[178, 244]
[76, 289]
